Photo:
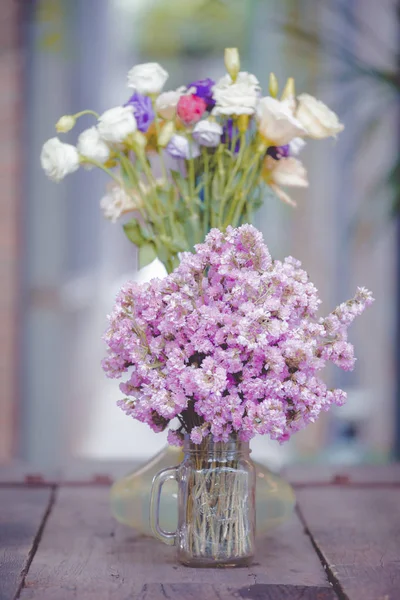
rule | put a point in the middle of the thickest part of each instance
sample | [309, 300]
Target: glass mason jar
[216, 504]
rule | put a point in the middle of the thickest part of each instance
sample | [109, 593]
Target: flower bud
[289, 90]
[110, 163]
[273, 85]
[242, 123]
[65, 124]
[166, 134]
[139, 140]
[232, 62]
[262, 144]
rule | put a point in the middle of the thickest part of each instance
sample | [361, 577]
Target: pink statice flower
[230, 342]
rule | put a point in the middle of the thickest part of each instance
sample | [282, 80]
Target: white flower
[276, 122]
[319, 121]
[207, 133]
[118, 201]
[296, 145]
[116, 124]
[91, 145]
[167, 102]
[148, 78]
[180, 147]
[58, 159]
[286, 171]
[65, 124]
[239, 98]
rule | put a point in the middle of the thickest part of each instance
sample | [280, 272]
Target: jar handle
[168, 537]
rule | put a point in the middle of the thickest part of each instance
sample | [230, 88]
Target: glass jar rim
[210, 446]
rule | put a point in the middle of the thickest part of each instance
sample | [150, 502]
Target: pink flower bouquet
[230, 342]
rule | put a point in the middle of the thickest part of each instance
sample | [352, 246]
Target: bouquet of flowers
[217, 147]
[229, 343]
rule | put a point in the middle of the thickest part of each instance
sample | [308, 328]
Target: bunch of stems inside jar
[217, 525]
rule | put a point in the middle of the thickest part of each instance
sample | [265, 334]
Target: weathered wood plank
[21, 514]
[357, 532]
[85, 554]
[258, 591]
[76, 472]
[92, 471]
[88, 470]
[374, 475]
[20, 473]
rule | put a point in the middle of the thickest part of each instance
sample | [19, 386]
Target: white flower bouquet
[216, 145]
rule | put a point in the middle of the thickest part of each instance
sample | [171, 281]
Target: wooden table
[58, 541]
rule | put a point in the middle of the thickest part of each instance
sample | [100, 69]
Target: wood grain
[177, 591]
[84, 554]
[75, 472]
[92, 471]
[21, 515]
[368, 475]
[19, 473]
[357, 532]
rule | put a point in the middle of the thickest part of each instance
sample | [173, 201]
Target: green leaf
[146, 231]
[133, 232]
[163, 198]
[164, 254]
[147, 253]
[178, 244]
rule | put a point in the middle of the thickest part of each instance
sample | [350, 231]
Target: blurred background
[62, 264]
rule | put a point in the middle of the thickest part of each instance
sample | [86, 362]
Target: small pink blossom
[228, 342]
[191, 108]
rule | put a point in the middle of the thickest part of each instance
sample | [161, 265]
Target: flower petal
[319, 121]
[276, 122]
[287, 171]
[282, 195]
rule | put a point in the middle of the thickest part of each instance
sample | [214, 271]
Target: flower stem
[191, 177]
[103, 168]
[86, 112]
[152, 183]
[245, 191]
[206, 191]
[242, 191]
[236, 167]
[159, 149]
[130, 170]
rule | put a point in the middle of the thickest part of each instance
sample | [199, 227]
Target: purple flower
[180, 147]
[142, 109]
[203, 89]
[278, 152]
[229, 131]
